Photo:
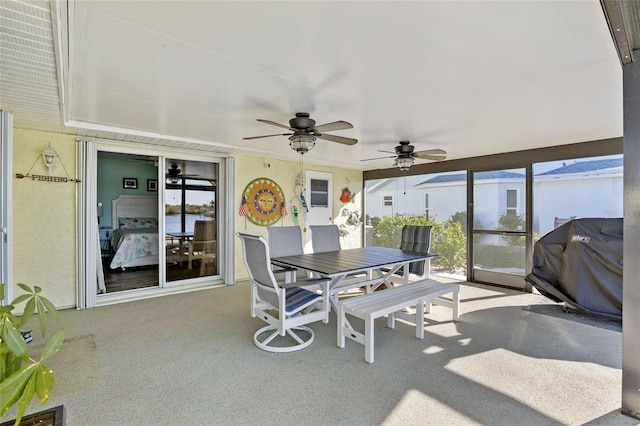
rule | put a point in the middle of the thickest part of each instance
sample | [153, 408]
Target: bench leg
[368, 339]
[391, 320]
[420, 319]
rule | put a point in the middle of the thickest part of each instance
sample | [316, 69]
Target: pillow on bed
[137, 222]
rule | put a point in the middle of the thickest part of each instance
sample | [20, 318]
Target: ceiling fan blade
[336, 125]
[266, 136]
[434, 157]
[431, 151]
[273, 123]
[339, 139]
[390, 152]
[378, 158]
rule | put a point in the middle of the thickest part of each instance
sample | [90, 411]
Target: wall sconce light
[49, 158]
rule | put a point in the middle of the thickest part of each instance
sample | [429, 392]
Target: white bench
[389, 302]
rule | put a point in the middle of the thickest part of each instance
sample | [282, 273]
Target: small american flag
[283, 210]
[244, 207]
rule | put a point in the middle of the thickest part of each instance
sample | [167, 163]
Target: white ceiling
[470, 77]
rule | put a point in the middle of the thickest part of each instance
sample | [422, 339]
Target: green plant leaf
[21, 298]
[52, 345]
[9, 362]
[18, 382]
[42, 317]
[5, 314]
[44, 382]
[13, 386]
[12, 337]
[25, 287]
[50, 307]
[28, 311]
[27, 395]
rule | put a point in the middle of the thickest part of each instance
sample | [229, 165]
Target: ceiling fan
[305, 132]
[405, 155]
[174, 174]
[144, 160]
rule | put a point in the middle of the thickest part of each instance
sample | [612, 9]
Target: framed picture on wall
[152, 184]
[130, 183]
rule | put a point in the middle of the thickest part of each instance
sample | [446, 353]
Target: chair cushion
[298, 297]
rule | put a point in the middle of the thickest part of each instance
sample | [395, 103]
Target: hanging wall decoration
[48, 156]
[346, 195]
[265, 201]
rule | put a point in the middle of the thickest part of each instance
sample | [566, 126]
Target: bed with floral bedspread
[135, 243]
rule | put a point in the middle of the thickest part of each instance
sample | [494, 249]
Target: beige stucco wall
[44, 218]
[284, 173]
[44, 213]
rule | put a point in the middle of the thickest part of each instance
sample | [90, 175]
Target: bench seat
[390, 302]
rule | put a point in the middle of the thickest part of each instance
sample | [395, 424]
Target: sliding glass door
[156, 220]
[190, 214]
[127, 214]
[6, 128]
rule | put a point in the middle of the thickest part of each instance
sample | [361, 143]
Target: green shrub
[448, 240]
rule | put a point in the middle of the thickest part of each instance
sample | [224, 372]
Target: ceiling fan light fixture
[302, 143]
[404, 163]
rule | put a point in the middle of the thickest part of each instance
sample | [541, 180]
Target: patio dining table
[373, 265]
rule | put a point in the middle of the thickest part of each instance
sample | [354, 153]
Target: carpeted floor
[189, 359]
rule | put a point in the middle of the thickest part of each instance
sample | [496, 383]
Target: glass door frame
[493, 277]
[87, 229]
[6, 163]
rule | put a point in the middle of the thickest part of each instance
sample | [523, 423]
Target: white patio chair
[289, 300]
[325, 238]
[285, 241]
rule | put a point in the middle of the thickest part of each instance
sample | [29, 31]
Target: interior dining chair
[325, 238]
[285, 241]
[285, 307]
[203, 244]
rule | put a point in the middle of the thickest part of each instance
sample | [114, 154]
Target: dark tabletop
[350, 260]
[181, 234]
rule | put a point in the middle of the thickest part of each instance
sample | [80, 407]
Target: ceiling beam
[613, 12]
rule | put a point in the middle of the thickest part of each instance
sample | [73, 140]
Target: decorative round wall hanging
[264, 201]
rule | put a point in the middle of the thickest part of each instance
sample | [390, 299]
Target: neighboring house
[443, 195]
[570, 190]
[591, 188]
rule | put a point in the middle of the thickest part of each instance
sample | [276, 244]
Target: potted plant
[22, 377]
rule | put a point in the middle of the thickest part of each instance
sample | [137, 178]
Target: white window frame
[515, 209]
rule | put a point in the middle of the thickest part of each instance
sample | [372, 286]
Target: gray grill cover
[580, 263]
